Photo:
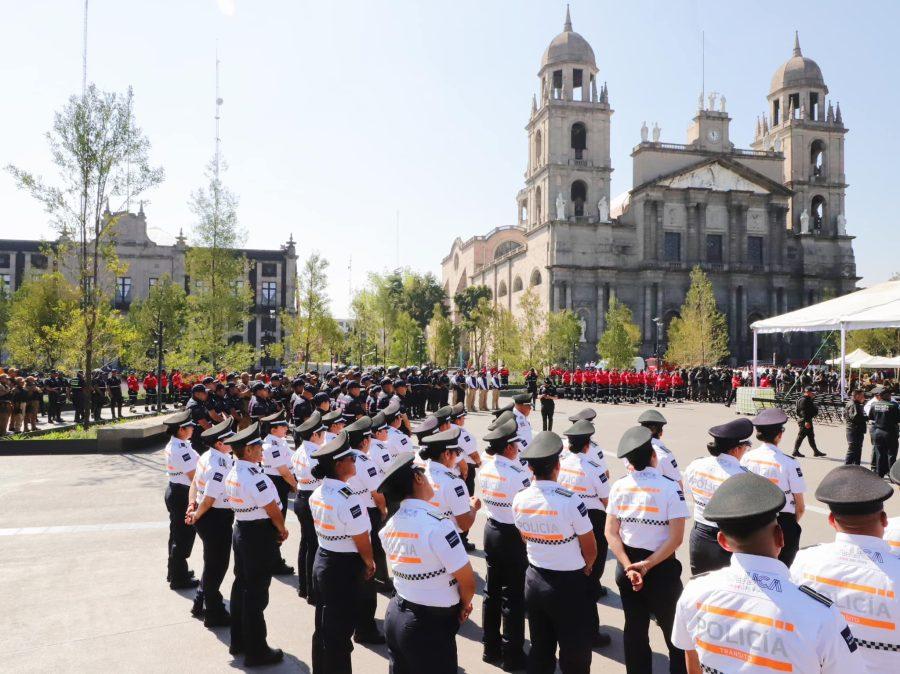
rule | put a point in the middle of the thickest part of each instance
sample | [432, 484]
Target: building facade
[270, 274]
[766, 223]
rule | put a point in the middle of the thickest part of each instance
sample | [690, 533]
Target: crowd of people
[386, 505]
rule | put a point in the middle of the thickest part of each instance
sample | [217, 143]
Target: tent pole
[755, 380]
[843, 360]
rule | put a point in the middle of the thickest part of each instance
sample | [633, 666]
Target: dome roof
[568, 47]
[797, 71]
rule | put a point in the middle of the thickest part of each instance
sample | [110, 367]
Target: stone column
[732, 313]
[649, 248]
[659, 300]
[601, 308]
[658, 231]
[701, 231]
[691, 246]
[648, 291]
[773, 302]
[568, 295]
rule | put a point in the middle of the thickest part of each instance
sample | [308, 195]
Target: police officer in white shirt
[666, 463]
[311, 436]
[892, 531]
[770, 462]
[441, 453]
[213, 518]
[398, 442]
[857, 571]
[500, 479]
[521, 411]
[181, 463]
[467, 444]
[471, 388]
[579, 473]
[379, 451]
[444, 415]
[276, 464]
[334, 423]
[433, 578]
[259, 531]
[344, 559]
[594, 451]
[561, 550]
[749, 616]
[702, 477]
[644, 528]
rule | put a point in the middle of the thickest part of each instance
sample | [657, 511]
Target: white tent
[876, 363]
[852, 358]
[875, 307]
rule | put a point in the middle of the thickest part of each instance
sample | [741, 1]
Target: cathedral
[766, 223]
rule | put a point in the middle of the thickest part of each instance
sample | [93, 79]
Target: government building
[766, 223]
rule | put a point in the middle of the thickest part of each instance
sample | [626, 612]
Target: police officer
[397, 441]
[857, 571]
[855, 426]
[116, 399]
[806, 412]
[644, 527]
[580, 474]
[770, 462]
[181, 464]
[547, 395]
[500, 479]
[379, 451]
[311, 436]
[212, 517]
[561, 550]
[521, 410]
[702, 478]
[199, 415]
[261, 405]
[892, 530]
[749, 616]
[433, 578]
[258, 532]
[276, 464]
[655, 422]
[344, 559]
[885, 415]
[441, 453]
[334, 423]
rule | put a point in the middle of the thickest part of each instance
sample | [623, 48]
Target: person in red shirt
[578, 380]
[663, 384]
[176, 386]
[567, 384]
[164, 387]
[614, 381]
[603, 385]
[150, 384]
[133, 387]
[678, 386]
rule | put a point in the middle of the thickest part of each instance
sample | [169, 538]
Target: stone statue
[712, 100]
[722, 104]
[700, 101]
[560, 206]
[655, 132]
[841, 225]
[583, 323]
[644, 132]
[804, 222]
[603, 210]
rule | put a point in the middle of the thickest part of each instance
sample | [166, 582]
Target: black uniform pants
[97, 406]
[791, 528]
[255, 557]
[283, 489]
[705, 552]
[214, 529]
[558, 604]
[470, 485]
[115, 404]
[421, 638]
[547, 409]
[884, 450]
[657, 598]
[854, 447]
[504, 591]
[309, 543]
[338, 579]
[381, 572]
[181, 535]
[809, 434]
[54, 408]
[598, 522]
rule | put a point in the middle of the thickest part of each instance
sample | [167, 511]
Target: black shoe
[217, 618]
[269, 657]
[514, 662]
[818, 453]
[283, 570]
[602, 592]
[373, 638]
[184, 584]
[197, 608]
[470, 547]
[492, 656]
[301, 592]
[799, 455]
[601, 640]
[236, 649]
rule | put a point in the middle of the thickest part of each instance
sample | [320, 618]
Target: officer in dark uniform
[55, 386]
[77, 386]
[116, 399]
[98, 394]
[261, 405]
[199, 414]
[807, 410]
[855, 426]
[303, 406]
[886, 417]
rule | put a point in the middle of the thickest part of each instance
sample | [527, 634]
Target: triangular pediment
[714, 176]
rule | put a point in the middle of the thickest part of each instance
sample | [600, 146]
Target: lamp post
[658, 322]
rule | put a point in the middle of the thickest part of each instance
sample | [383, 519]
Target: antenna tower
[84, 45]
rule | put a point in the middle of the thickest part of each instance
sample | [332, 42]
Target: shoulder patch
[460, 490]
[563, 492]
[345, 492]
[603, 478]
[276, 454]
[254, 471]
[437, 516]
[809, 592]
[385, 457]
[217, 477]
[372, 471]
[185, 457]
[362, 457]
[799, 472]
[582, 508]
[355, 511]
[849, 639]
[403, 441]
[452, 539]
[261, 485]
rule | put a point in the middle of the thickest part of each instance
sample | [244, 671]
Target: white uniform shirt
[248, 491]
[302, 464]
[644, 502]
[450, 494]
[862, 578]
[380, 453]
[750, 617]
[398, 442]
[468, 445]
[180, 460]
[665, 461]
[424, 550]
[368, 477]
[783, 470]
[597, 456]
[892, 535]
[550, 520]
[276, 453]
[523, 430]
[337, 515]
[580, 474]
[212, 468]
[703, 476]
[499, 480]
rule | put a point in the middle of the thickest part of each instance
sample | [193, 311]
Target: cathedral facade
[765, 223]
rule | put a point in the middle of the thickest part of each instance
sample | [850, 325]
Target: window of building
[38, 261]
[5, 283]
[577, 84]
[535, 278]
[557, 83]
[501, 289]
[672, 247]
[578, 137]
[517, 284]
[818, 213]
[776, 112]
[755, 250]
[817, 158]
[578, 194]
[4, 260]
[505, 248]
[714, 248]
[123, 289]
[153, 281]
[269, 269]
[794, 104]
[791, 253]
[269, 293]
[267, 324]
[814, 106]
[538, 206]
[538, 147]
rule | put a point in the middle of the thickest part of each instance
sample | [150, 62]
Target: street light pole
[159, 363]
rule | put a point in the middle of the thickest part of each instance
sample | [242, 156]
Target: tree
[479, 329]
[306, 330]
[100, 155]
[164, 310]
[442, 338]
[618, 344]
[421, 293]
[563, 333]
[467, 301]
[40, 321]
[504, 340]
[219, 301]
[5, 306]
[533, 322]
[878, 341]
[407, 340]
[700, 336]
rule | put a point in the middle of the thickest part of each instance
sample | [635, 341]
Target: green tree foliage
[504, 339]
[100, 155]
[468, 300]
[442, 338]
[561, 339]
[533, 328]
[700, 336]
[421, 293]
[40, 321]
[878, 341]
[364, 340]
[478, 326]
[308, 331]
[164, 309]
[407, 341]
[618, 344]
[5, 306]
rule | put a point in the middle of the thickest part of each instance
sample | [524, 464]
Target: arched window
[578, 195]
[535, 278]
[538, 207]
[505, 248]
[817, 158]
[818, 213]
[538, 147]
[501, 289]
[517, 284]
[579, 139]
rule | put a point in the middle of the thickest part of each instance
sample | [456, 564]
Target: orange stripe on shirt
[728, 652]
[569, 471]
[702, 492]
[760, 462]
[710, 476]
[493, 476]
[868, 622]
[646, 490]
[751, 617]
[405, 560]
[323, 525]
[401, 534]
[638, 509]
[542, 537]
[320, 504]
[536, 511]
[868, 589]
[491, 492]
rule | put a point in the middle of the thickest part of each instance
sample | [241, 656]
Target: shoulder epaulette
[809, 592]
[700, 575]
[564, 492]
[437, 516]
[595, 465]
[362, 457]
[254, 471]
[516, 468]
[345, 492]
[669, 478]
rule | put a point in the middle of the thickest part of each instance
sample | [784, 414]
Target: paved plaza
[83, 561]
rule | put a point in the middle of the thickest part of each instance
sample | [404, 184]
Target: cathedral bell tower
[568, 168]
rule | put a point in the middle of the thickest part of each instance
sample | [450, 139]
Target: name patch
[452, 539]
[217, 477]
[261, 485]
[355, 511]
[582, 509]
[460, 490]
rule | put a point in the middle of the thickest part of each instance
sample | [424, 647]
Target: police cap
[208, 380]
[399, 382]
[588, 414]
[258, 386]
[313, 423]
[438, 442]
[505, 407]
[248, 436]
[503, 434]
[320, 398]
[444, 413]
[198, 388]
[853, 490]
[522, 399]
[459, 411]
[277, 419]
[220, 431]
[501, 419]
[180, 419]
[746, 499]
[652, 417]
[634, 439]
[580, 429]
[387, 381]
[332, 417]
[297, 382]
[545, 445]
[771, 416]
[399, 468]
[352, 384]
[877, 391]
[392, 410]
[336, 448]
[359, 429]
[427, 426]
[309, 388]
[739, 429]
[379, 422]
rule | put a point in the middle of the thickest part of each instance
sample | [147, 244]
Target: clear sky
[339, 115]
